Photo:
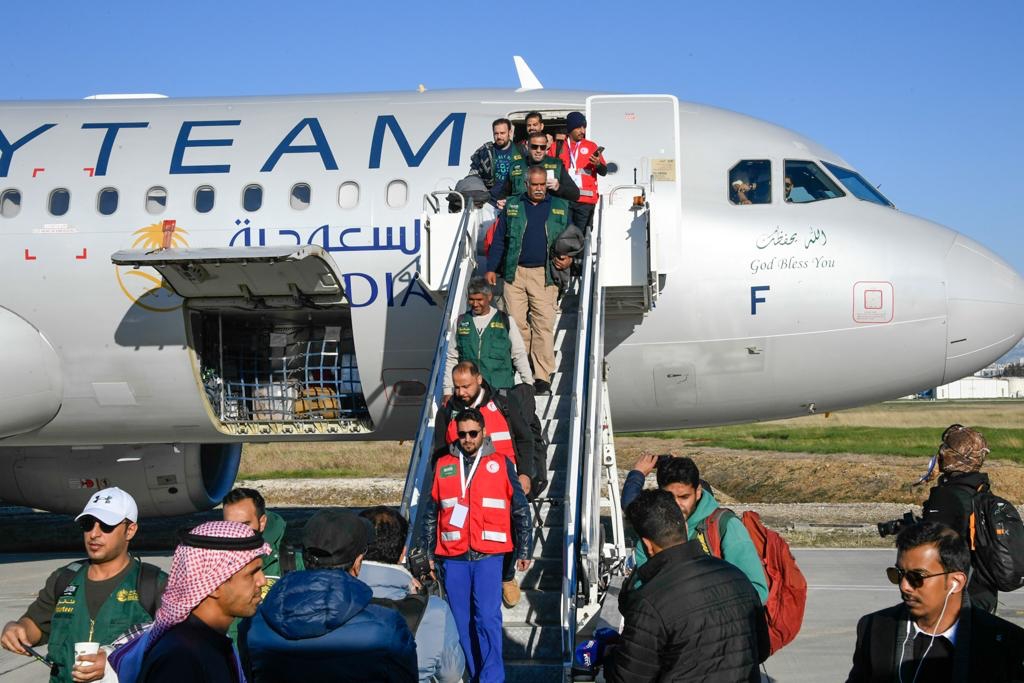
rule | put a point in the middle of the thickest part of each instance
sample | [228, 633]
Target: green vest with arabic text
[517, 173]
[515, 228]
[491, 351]
[71, 623]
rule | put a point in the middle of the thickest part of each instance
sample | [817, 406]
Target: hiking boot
[510, 593]
[541, 387]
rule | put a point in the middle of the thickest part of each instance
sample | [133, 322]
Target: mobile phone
[598, 151]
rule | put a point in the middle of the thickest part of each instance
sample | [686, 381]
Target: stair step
[552, 406]
[525, 641]
[534, 671]
[535, 607]
[544, 575]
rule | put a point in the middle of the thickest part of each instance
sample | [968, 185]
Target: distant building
[975, 387]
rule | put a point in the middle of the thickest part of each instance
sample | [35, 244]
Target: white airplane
[277, 261]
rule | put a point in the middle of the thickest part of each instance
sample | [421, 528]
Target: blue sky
[924, 98]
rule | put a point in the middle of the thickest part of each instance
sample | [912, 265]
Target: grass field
[910, 428]
[905, 428]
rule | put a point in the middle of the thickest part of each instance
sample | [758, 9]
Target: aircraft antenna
[527, 79]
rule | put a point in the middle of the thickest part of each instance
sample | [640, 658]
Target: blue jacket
[438, 650]
[319, 625]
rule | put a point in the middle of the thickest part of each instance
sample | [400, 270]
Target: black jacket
[988, 649]
[527, 457]
[694, 617]
[950, 502]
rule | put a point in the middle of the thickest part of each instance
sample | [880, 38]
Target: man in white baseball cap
[92, 600]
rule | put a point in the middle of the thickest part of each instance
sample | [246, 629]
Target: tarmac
[843, 584]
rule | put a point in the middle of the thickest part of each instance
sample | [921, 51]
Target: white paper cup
[86, 649]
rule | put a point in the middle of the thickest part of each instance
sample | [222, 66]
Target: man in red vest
[475, 507]
[584, 161]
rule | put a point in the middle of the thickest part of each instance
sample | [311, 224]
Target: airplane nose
[984, 308]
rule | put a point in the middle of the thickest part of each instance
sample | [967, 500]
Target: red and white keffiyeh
[197, 572]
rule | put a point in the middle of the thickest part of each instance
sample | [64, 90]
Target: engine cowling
[164, 479]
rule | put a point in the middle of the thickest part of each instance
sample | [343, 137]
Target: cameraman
[951, 502]
[438, 651]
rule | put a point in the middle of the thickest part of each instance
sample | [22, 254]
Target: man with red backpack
[742, 540]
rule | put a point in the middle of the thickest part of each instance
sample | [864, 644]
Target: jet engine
[164, 479]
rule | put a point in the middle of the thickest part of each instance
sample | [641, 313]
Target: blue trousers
[474, 596]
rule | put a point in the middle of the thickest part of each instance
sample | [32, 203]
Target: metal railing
[459, 269]
[582, 525]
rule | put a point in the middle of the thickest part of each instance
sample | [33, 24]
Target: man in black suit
[935, 635]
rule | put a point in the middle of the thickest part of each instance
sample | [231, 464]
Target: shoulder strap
[66, 576]
[286, 557]
[148, 586]
[411, 607]
[710, 531]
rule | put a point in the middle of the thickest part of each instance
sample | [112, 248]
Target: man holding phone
[559, 183]
[584, 161]
[92, 601]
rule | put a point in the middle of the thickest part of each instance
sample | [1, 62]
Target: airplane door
[640, 134]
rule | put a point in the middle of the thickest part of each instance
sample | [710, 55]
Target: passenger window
[398, 194]
[252, 197]
[750, 182]
[300, 196]
[806, 182]
[204, 199]
[60, 200]
[10, 203]
[348, 195]
[107, 201]
[156, 200]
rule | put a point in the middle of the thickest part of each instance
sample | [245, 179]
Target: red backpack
[787, 587]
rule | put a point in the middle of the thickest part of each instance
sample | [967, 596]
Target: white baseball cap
[111, 506]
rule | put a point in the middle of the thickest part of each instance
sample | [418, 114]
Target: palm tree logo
[143, 287]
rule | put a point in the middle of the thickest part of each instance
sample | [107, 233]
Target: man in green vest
[249, 507]
[559, 182]
[489, 338]
[101, 600]
[527, 229]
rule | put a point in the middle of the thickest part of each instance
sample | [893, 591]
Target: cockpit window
[858, 187]
[750, 182]
[806, 182]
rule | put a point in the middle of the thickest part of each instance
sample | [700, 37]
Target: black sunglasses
[472, 433]
[538, 146]
[87, 524]
[915, 577]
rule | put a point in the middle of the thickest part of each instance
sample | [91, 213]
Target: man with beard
[91, 601]
[559, 182]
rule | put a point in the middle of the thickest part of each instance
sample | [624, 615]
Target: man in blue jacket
[681, 478]
[324, 623]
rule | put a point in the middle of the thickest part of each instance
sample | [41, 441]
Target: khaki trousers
[533, 306]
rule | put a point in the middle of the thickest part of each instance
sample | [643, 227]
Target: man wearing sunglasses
[935, 635]
[95, 600]
[475, 507]
[559, 182]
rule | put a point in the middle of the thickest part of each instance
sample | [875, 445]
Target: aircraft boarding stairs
[564, 590]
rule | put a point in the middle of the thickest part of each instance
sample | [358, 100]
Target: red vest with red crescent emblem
[588, 175]
[488, 525]
[496, 426]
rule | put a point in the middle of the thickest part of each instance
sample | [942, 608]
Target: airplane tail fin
[527, 79]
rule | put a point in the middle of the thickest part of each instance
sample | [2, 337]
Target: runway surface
[844, 584]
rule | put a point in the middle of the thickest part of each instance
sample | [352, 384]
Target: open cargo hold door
[642, 238]
[271, 331]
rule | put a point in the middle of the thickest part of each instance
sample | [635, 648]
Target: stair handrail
[461, 263]
[578, 408]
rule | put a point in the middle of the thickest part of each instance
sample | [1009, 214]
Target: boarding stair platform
[572, 563]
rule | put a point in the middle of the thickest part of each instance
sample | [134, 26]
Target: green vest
[71, 623]
[491, 351]
[515, 228]
[517, 173]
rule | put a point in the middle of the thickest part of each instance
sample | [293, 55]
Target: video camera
[419, 566]
[894, 526]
